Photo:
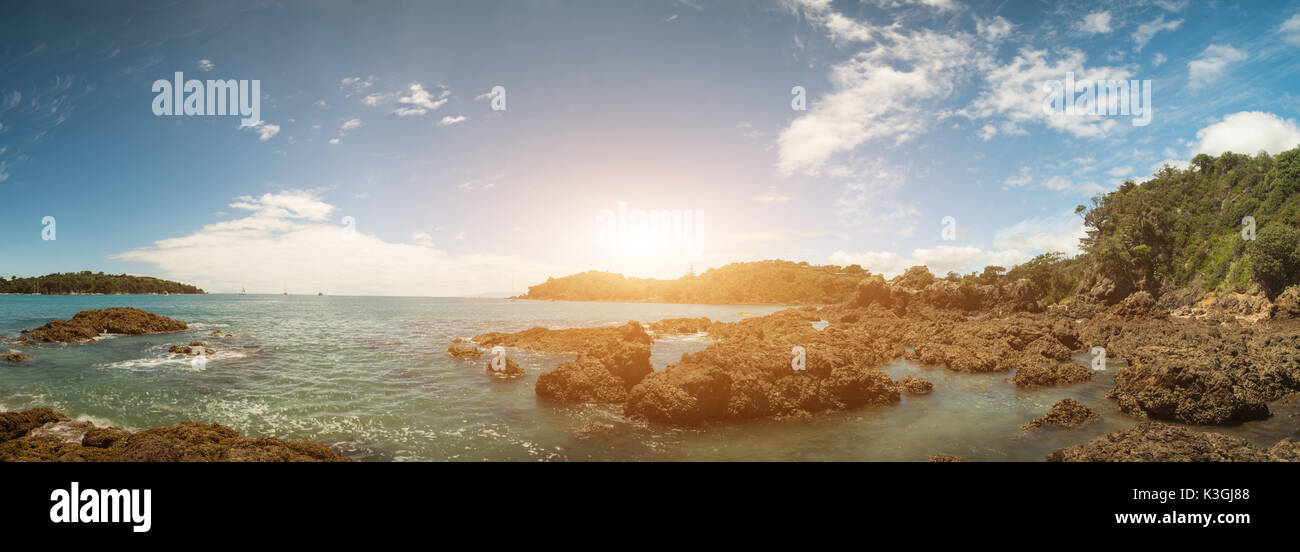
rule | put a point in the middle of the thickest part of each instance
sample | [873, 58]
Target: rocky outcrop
[677, 326]
[86, 325]
[195, 348]
[44, 435]
[1287, 304]
[610, 360]
[14, 355]
[916, 386]
[1068, 413]
[1039, 375]
[944, 458]
[1157, 442]
[510, 370]
[749, 374]
[457, 350]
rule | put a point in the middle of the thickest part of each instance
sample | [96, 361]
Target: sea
[370, 377]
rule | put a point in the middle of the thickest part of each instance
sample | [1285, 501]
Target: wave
[177, 359]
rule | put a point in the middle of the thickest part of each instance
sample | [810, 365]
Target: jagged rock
[191, 350]
[1039, 375]
[916, 386]
[45, 435]
[674, 326]
[512, 369]
[464, 351]
[86, 325]
[1157, 442]
[16, 424]
[1067, 413]
[1287, 304]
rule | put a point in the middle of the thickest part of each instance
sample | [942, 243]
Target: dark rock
[1156, 442]
[1040, 375]
[1067, 413]
[464, 351]
[916, 386]
[86, 325]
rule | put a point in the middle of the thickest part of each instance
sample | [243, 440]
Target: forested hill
[91, 282]
[763, 282]
[1226, 223]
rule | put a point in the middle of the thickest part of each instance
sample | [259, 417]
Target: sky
[468, 148]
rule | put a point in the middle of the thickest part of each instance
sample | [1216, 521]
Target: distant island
[87, 282]
[763, 282]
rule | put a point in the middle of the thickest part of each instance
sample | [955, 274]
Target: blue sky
[915, 111]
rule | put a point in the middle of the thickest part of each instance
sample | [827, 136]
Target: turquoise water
[369, 376]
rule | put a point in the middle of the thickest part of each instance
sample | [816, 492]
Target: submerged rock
[1068, 413]
[590, 430]
[14, 355]
[86, 325]
[44, 435]
[191, 349]
[1157, 442]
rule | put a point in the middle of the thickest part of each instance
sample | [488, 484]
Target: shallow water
[370, 377]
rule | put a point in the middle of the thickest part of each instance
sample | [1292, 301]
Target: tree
[1275, 257]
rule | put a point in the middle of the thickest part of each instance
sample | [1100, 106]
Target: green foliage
[1275, 257]
[1184, 226]
[88, 282]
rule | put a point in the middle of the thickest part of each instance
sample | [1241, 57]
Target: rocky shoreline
[46, 435]
[1208, 367]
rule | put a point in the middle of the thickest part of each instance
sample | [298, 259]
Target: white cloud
[449, 120]
[994, 29]
[289, 240]
[1290, 30]
[4, 173]
[264, 130]
[1146, 31]
[880, 92]
[1171, 5]
[321, 103]
[1021, 179]
[1210, 66]
[422, 239]
[356, 85]
[1015, 93]
[1095, 23]
[334, 140]
[419, 101]
[349, 126]
[206, 65]
[1158, 60]
[1248, 132]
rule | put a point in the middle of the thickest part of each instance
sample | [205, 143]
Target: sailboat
[242, 291]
